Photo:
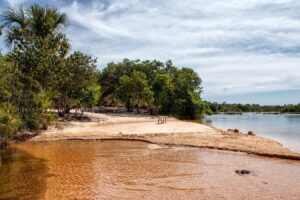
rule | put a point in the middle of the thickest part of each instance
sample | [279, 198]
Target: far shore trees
[240, 108]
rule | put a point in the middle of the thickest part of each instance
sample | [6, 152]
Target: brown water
[136, 170]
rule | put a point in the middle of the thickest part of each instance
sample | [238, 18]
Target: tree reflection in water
[22, 176]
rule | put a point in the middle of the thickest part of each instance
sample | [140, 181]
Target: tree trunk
[128, 106]
[138, 108]
[67, 109]
[76, 111]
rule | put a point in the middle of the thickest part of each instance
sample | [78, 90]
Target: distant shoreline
[259, 113]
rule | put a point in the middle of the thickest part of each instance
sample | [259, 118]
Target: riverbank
[174, 132]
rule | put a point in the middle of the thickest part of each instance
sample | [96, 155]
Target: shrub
[10, 121]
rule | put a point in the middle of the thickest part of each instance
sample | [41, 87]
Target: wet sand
[175, 132]
[138, 170]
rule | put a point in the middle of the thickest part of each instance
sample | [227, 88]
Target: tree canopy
[239, 108]
[167, 89]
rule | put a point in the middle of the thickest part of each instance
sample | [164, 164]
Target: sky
[245, 51]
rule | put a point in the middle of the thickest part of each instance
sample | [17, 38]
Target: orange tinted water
[136, 170]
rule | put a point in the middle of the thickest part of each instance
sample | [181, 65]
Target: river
[282, 128]
[138, 170]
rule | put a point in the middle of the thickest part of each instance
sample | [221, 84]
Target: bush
[10, 121]
[38, 117]
[39, 120]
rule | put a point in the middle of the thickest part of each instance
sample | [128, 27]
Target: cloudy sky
[245, 51]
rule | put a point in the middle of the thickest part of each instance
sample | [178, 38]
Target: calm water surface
[282, 128]
[136, 170]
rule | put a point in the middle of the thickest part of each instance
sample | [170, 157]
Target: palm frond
[60, 20]
[46, 20]
[12, 17]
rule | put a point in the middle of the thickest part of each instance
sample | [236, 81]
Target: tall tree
[37, 41]
[77, 83]
[38, 47]
[163, 89]
[135, 91]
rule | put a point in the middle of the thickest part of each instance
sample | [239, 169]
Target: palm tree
[46, 20]
[37, 40]
[36, 20]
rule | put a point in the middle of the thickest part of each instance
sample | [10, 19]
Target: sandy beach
[174, 132]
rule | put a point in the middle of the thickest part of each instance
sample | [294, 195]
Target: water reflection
[22, 176]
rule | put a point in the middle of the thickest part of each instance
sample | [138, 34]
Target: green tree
[89, 97]
[135, 91]
[77, 83]
[37, 41]
[9, 79]
[10, 121]
[38, 49]
[110, 76]
[163, 88]
[187, 101]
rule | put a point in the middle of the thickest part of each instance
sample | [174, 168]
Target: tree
[38, 47]
[89, 97]
[9, 79]
[10, 121]
[175, 91]
[77, 83]
[135, 91]
[37, 41]
[110, 76]
[187, 101]
[36, 20]
[163, 88]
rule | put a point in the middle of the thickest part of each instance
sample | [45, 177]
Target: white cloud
[237, 46]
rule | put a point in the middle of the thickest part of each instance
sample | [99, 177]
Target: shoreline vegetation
[226, 108]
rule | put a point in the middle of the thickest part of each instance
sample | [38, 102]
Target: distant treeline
[237, 108]
[40, 74]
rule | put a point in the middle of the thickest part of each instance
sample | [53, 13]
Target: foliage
[38, 44]
[77, 83]
[234, 108]
[169, 90]
[163, 88]
[89, 97]
[9, 76]
[36, 75]
[10, 121]
[135, 91]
